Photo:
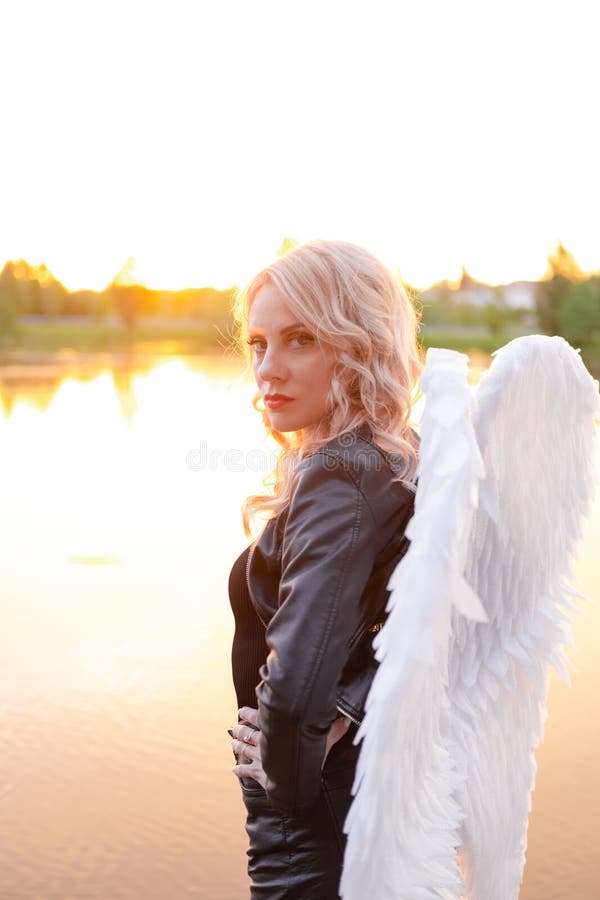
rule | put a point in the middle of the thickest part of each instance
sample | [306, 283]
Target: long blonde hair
[351, 301]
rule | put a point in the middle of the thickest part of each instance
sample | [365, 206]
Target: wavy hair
[354, 304]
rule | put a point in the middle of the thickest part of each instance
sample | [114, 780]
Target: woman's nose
[271, 365]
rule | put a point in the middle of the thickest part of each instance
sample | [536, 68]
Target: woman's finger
[254, 771]
[247, 750]
[246, 733]
[247, 714]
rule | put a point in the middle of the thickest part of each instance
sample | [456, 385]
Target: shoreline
[78, 344]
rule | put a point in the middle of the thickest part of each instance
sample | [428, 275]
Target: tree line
[33, 291]
[567, 302]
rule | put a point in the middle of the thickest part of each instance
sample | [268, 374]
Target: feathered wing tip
[457, 705]
[403, 824]
[534, 420]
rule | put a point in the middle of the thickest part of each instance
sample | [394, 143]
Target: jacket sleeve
[328, 552]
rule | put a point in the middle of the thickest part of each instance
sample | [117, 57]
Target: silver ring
[247, 738]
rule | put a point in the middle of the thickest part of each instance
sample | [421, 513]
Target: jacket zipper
[345, 712]
[250, 549]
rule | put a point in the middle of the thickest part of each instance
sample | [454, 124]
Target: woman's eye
[302, 338]
[256, 345]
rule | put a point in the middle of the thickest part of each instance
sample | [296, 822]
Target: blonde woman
[331, 336]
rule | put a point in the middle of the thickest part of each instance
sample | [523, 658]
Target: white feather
[403, 824]
[534, 419]
[477, 615]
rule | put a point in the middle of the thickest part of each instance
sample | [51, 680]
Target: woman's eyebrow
[282, 330]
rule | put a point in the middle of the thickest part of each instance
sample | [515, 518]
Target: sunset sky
[194, 136]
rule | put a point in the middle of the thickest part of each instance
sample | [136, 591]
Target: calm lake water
[120, 488]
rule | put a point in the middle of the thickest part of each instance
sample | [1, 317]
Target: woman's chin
[286, 424]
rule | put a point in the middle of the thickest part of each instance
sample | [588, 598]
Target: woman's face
[289, 361]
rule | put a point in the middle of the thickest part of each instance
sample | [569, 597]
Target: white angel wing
[457, 704]
[403, 823]
[534, 420]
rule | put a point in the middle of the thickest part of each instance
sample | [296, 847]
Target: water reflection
[120, 490]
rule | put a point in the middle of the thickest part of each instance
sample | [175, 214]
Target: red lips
[277, 397]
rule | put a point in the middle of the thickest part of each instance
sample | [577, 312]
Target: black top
[249, 650]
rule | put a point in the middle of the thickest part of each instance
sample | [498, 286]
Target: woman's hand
[245, 745]
[246, 737]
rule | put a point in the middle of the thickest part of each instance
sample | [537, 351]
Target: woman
[332, 339]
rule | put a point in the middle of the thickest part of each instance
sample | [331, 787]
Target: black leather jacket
[317, 577]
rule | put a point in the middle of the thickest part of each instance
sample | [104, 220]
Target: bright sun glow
[195, 137]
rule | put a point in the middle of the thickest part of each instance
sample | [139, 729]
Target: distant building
[518, 294]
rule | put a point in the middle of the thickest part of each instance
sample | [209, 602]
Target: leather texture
[301, 858]
[317, 577]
